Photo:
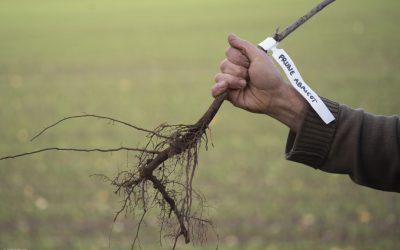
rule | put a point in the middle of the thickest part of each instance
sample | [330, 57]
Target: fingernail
[232, 37]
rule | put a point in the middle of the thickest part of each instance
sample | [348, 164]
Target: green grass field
[148, 62]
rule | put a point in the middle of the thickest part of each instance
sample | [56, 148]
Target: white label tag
[290, 69]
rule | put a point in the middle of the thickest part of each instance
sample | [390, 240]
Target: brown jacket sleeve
[362, 145]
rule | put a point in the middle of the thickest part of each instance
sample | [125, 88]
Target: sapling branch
[292, 27]
[166, 165]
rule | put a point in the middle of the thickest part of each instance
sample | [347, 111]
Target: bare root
[170, 173]
[161, 177]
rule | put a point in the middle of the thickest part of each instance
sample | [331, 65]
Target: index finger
[236, 56]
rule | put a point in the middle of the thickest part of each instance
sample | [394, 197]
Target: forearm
[364, 146]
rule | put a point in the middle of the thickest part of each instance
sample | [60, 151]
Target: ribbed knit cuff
[312, 143]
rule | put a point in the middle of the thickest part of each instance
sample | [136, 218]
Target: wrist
[288, 107]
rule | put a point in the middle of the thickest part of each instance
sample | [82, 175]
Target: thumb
[247, 49]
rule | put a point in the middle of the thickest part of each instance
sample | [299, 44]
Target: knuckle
[213, 91]
[217, 77]
[222, 65]
[227, 51]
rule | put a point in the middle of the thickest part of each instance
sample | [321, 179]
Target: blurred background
[149, 62]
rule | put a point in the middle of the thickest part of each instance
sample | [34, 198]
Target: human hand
[255, 84]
